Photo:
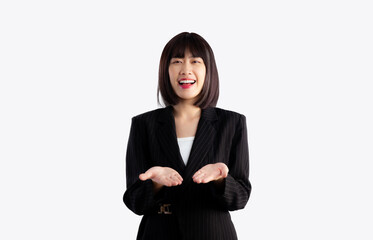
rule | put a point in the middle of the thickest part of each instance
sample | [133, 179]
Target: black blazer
[199, 211]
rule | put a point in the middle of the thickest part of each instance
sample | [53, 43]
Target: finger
[171, 179]
[175, 183]
[199, 176]
[223, 172]
[143, 177]
[147, 175]
[198, 173]
[177, 178]
[171, 183]
[198, 179]
[207, 179]
[164, 180]
[204, 178]
[167, 184]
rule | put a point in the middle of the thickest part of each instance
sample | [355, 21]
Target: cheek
[202, 75]
[171, 73]
[203, 72]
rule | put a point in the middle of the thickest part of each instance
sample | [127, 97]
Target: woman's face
[187, 76]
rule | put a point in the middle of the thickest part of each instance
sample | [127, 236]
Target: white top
[185, 145]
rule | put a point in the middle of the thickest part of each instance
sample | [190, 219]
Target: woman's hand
[162, 176]
[211, 172]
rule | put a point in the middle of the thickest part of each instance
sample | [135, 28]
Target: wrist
[219, 185]
[156, 186]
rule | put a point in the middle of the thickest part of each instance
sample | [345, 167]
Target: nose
[186, 69]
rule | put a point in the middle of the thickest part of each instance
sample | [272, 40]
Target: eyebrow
[188, 57]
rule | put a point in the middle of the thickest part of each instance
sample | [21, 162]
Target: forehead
[181, 53]
[189, 47]
[187, 54]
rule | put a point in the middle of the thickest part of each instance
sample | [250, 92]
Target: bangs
[191, 43]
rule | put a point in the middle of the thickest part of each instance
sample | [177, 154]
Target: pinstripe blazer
[199, 211]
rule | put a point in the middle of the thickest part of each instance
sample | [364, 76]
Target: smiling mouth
[187, 82]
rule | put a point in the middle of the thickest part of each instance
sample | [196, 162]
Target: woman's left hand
[211, 172]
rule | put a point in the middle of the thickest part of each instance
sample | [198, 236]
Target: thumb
[145, 176]
[223, 172]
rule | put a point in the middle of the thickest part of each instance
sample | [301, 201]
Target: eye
[176, 61]
[197, 60]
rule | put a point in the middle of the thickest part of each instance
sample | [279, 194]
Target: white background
[73, 73]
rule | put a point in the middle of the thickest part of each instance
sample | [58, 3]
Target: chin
[188, 97]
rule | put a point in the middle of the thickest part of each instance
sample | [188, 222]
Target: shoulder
[148, 115]
[229, 114]
[146, 120]
[230, 119]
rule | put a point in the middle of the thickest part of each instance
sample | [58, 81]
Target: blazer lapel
[166, 134]
[202, 143]
[203, 140]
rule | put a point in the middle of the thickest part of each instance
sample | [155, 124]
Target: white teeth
[187, 81]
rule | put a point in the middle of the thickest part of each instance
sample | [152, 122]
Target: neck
[186, 111]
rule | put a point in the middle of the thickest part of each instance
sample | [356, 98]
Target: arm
[140, 196]
[233, 192]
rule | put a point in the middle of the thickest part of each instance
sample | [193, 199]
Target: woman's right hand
[163, 176]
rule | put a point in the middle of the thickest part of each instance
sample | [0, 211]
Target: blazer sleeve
[139, 196]
[235, 190]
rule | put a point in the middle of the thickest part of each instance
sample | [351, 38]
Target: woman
[187, 164]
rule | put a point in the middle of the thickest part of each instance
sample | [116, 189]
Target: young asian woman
[187, 164]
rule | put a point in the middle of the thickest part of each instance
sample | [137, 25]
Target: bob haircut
[176, 47]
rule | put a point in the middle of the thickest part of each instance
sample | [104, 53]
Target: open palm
[162, 175]
[211, 172]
